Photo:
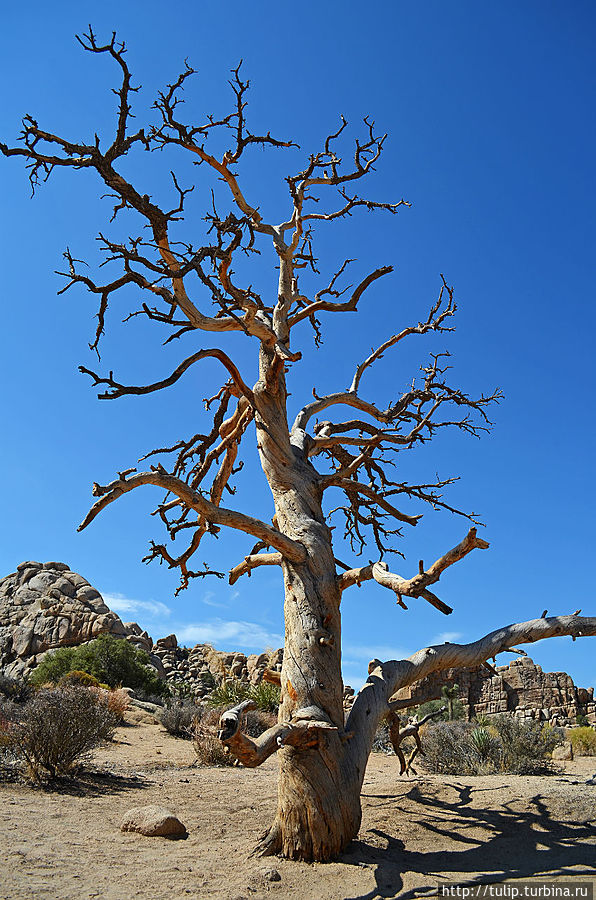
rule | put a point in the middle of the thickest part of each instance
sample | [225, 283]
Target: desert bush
[382, 742]
[452, 702]
[448, 749]
[256, 721]
[209, 749]
[59, 726]
[9, 759]
[507, 746]
[527, 746]
[15, 689]
[118, 702]
[229, 693]
[267, 696]
[83, 679]
[178, 716]
[233, 691]
[583, 740]
[112, 661]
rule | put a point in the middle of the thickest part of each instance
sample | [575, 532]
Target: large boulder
[44, 606]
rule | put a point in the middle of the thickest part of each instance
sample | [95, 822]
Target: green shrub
[229, 693]
[583, 741]
[110, 660]
[83, 679]
[233, 691]
[450, 702]
[267, 696]
[59, 726]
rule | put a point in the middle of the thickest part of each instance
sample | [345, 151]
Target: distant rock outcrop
[44, 606]
[521, 688]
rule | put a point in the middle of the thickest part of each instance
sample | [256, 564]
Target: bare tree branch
[416, 586]
[119, 390]
[253, 561]
[215, 514]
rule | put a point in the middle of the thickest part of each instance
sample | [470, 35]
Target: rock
[167, 643]
[134, 715]
[28, 565]
[153, 821]
[152, 708]
[271, 875]
[564, 751]
[44, 607]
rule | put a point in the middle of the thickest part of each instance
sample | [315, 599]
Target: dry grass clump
[178, 717]
[118, 702]
[583, 740]
[209, 749]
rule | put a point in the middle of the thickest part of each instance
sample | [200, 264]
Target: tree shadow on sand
[513, 844]
[88, 783]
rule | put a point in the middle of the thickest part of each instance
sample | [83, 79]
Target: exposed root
[270, 843]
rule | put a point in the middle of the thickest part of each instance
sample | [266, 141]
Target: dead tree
[322, 759]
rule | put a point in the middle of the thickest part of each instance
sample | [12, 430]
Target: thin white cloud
[232, 635]
[447, 637]
[147, 608]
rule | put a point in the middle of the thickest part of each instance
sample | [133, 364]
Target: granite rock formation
[521, 687]
[44, 606]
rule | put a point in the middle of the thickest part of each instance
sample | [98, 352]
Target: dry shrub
[8, 745]
[507, 746]
[583, 740]
[209, 749]
[59, 726]
[118, 703]
[178, 717]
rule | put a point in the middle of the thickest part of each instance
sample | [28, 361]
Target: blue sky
[489, 108]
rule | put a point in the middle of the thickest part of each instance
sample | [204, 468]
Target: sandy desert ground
[417, 833]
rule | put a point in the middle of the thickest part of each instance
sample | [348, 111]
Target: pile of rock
[196, 670]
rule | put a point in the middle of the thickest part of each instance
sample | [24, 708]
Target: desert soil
[417, 833]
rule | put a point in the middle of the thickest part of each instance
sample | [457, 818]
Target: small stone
[153, 821]
[271, 875]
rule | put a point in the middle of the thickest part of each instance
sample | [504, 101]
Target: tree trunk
[318, 811]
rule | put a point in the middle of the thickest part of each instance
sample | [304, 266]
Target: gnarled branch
[416, 586]
[120, 390]
[217, 515]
